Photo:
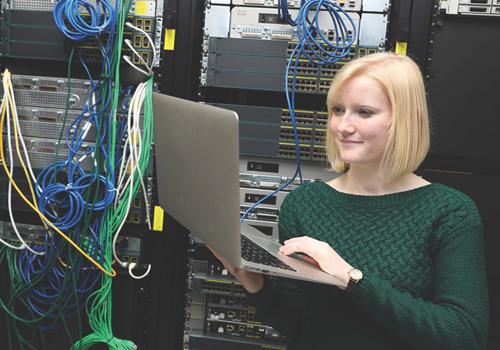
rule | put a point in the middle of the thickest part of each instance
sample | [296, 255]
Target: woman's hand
[251, 281]
[324, 255]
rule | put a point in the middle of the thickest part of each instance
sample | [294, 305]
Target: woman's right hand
[251, 281]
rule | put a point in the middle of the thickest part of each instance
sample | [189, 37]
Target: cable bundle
[99, 16]
[318, 49]
[81, 194]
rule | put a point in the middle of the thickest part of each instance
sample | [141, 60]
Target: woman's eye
[337, 110]
[365, 113]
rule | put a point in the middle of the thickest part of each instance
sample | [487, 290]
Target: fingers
[227, 265]
[298, 244]
[311, 261]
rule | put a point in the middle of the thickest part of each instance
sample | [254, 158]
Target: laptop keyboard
[254, 253]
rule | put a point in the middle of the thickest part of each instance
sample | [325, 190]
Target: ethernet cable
[97, 18]
[5, 243]
[24, 244]
[151, 42]
[99, 304]
[10, 106]
[307, 30]
[127, 59]
[111, 273]
[134, 145]
[132, 266]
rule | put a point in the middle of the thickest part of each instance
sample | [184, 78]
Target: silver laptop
[197, 160]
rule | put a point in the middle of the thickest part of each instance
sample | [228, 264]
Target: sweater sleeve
[456, 317]
[279, 296]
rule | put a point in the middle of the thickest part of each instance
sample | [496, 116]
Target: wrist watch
[355, 276]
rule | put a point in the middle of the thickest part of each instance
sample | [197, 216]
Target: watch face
[356, 274]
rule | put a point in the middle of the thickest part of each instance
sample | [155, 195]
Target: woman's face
[361, 116]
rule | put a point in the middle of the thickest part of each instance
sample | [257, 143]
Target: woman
[410, 252]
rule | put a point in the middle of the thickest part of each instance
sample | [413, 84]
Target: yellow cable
[43, 217]
[10, 99]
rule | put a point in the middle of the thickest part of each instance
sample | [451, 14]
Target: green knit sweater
[421, 253]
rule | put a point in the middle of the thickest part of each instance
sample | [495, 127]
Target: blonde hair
[402, 82]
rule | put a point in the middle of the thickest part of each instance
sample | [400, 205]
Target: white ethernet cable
[132, 151]
[130, 46]
[7, 85]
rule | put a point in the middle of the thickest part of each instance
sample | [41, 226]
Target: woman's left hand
[325, 256]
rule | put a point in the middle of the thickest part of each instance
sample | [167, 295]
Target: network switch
[258, 65]
[218, 314]
[273, 173]
[264, 23]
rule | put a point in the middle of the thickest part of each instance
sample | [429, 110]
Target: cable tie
[68, 187]
[110, 339]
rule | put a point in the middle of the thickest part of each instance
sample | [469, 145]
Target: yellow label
[169, 44]
[401, 47]
[158, 218]
[141, 8]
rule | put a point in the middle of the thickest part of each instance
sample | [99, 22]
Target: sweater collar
[385, 200]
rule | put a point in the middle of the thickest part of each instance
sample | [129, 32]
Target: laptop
[197, 163]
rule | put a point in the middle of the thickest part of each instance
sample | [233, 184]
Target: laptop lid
[197, 163]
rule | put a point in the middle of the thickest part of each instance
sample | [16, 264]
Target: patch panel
[236, 63]
[316, 121]
[305, 135]
[222, 287]
[304, 84]
[324, 85]
[260, 213]
[329, 71]
[287, 151]
[305, 68]
[292, 44]
[318, 153]
[302, 119]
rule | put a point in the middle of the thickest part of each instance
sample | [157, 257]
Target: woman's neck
[357, 181]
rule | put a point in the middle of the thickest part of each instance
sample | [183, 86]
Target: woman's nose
[346, 125]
